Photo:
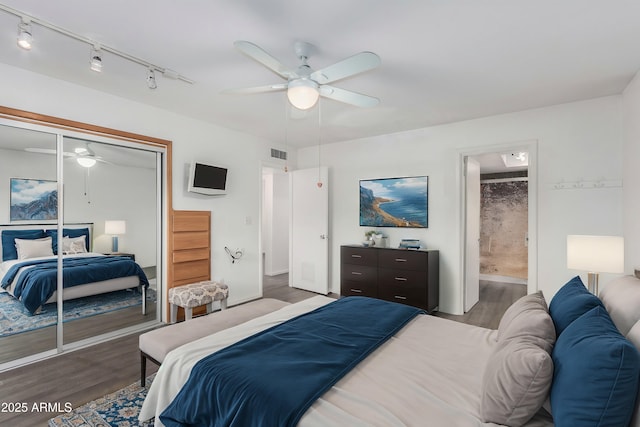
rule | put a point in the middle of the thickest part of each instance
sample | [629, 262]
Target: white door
[309, 222]
[472, 233]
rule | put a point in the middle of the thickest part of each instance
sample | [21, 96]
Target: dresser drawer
[359, 273]
[358, 256]
[404, 278]
[363, 289]
[402, 259]
[410, 295]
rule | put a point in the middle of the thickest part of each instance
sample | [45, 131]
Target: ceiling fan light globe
[86, 162]
[303, 93]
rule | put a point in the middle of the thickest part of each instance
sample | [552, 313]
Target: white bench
[154, 345]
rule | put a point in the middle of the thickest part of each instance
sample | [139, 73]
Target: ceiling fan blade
[257, 89]
[355, 64]
[260, 55]
[48, 151]
[101, 160]
[348, 97]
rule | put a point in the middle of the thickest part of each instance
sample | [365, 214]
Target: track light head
[25, 39]
[96, 59]
[151, 79]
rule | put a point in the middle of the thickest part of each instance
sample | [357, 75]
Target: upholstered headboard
[68, 228]
[621, 298]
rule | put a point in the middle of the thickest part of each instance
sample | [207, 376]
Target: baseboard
[276, 273]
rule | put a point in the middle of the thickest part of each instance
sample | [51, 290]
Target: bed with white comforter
[572, 363]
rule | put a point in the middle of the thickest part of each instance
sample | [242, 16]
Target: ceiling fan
[304, 85]
[85, 156]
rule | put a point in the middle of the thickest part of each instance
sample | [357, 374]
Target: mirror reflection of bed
[119, 185]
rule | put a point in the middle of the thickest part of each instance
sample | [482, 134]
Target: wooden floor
[87, 374]
[32, 342]
[277, 287]
[495, 298]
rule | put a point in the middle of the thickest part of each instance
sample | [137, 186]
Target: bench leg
[174, 313]
[188, 313]
[143, 369]
[209, 307]
[223, 304]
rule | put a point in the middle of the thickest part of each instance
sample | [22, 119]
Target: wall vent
[278, 154]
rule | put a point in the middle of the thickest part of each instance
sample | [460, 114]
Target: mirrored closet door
[111, 200]
[28, 205]
[96, 204]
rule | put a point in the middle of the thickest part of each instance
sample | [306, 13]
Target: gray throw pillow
[515, 383]
[528, 318]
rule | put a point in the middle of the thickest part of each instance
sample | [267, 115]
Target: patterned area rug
[119, 409]
[15, 318]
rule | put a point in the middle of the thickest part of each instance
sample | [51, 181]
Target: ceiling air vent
[278, 154]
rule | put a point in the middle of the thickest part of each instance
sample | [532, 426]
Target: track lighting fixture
[151, 79]
[25, 38]
[96, 59]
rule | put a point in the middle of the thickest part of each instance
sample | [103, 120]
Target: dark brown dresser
[406, 276]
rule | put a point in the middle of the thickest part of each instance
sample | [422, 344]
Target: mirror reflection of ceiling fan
[304, 85]
[83, 155]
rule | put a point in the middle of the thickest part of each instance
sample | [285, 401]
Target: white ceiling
[442, 61]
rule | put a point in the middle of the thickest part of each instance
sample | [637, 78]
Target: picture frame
[395, 202]
[33, 200]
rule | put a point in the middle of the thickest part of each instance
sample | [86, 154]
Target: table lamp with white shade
[115, 228]
[595, 254]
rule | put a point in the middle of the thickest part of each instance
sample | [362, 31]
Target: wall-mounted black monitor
[207, 179]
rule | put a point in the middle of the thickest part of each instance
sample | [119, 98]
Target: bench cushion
[197, 294]
[159, 342]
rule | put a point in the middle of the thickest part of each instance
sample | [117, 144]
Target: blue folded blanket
[273, 377]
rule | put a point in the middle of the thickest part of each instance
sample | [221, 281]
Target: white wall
[581, 140]
[235, 217]
[631, 98]
[112, 190]
[578, 140]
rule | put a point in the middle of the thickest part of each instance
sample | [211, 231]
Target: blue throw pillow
[9, 250]
[596, 374]
[571, 302]
[68, 232]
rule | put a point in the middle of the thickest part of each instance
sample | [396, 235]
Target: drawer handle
[401, 260]
[401, 279]
[356, 256]
[357, 273]
[399, 297]
[357, 291]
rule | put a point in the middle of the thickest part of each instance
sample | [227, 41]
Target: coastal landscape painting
[395, 202]
[33, 200]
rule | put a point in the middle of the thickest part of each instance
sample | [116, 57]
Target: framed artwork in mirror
[33, 200]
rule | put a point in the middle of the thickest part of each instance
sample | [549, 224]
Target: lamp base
[114, 244]
[592, 283]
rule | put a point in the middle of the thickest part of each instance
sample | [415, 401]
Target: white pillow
[74, 245]
[33, 248]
